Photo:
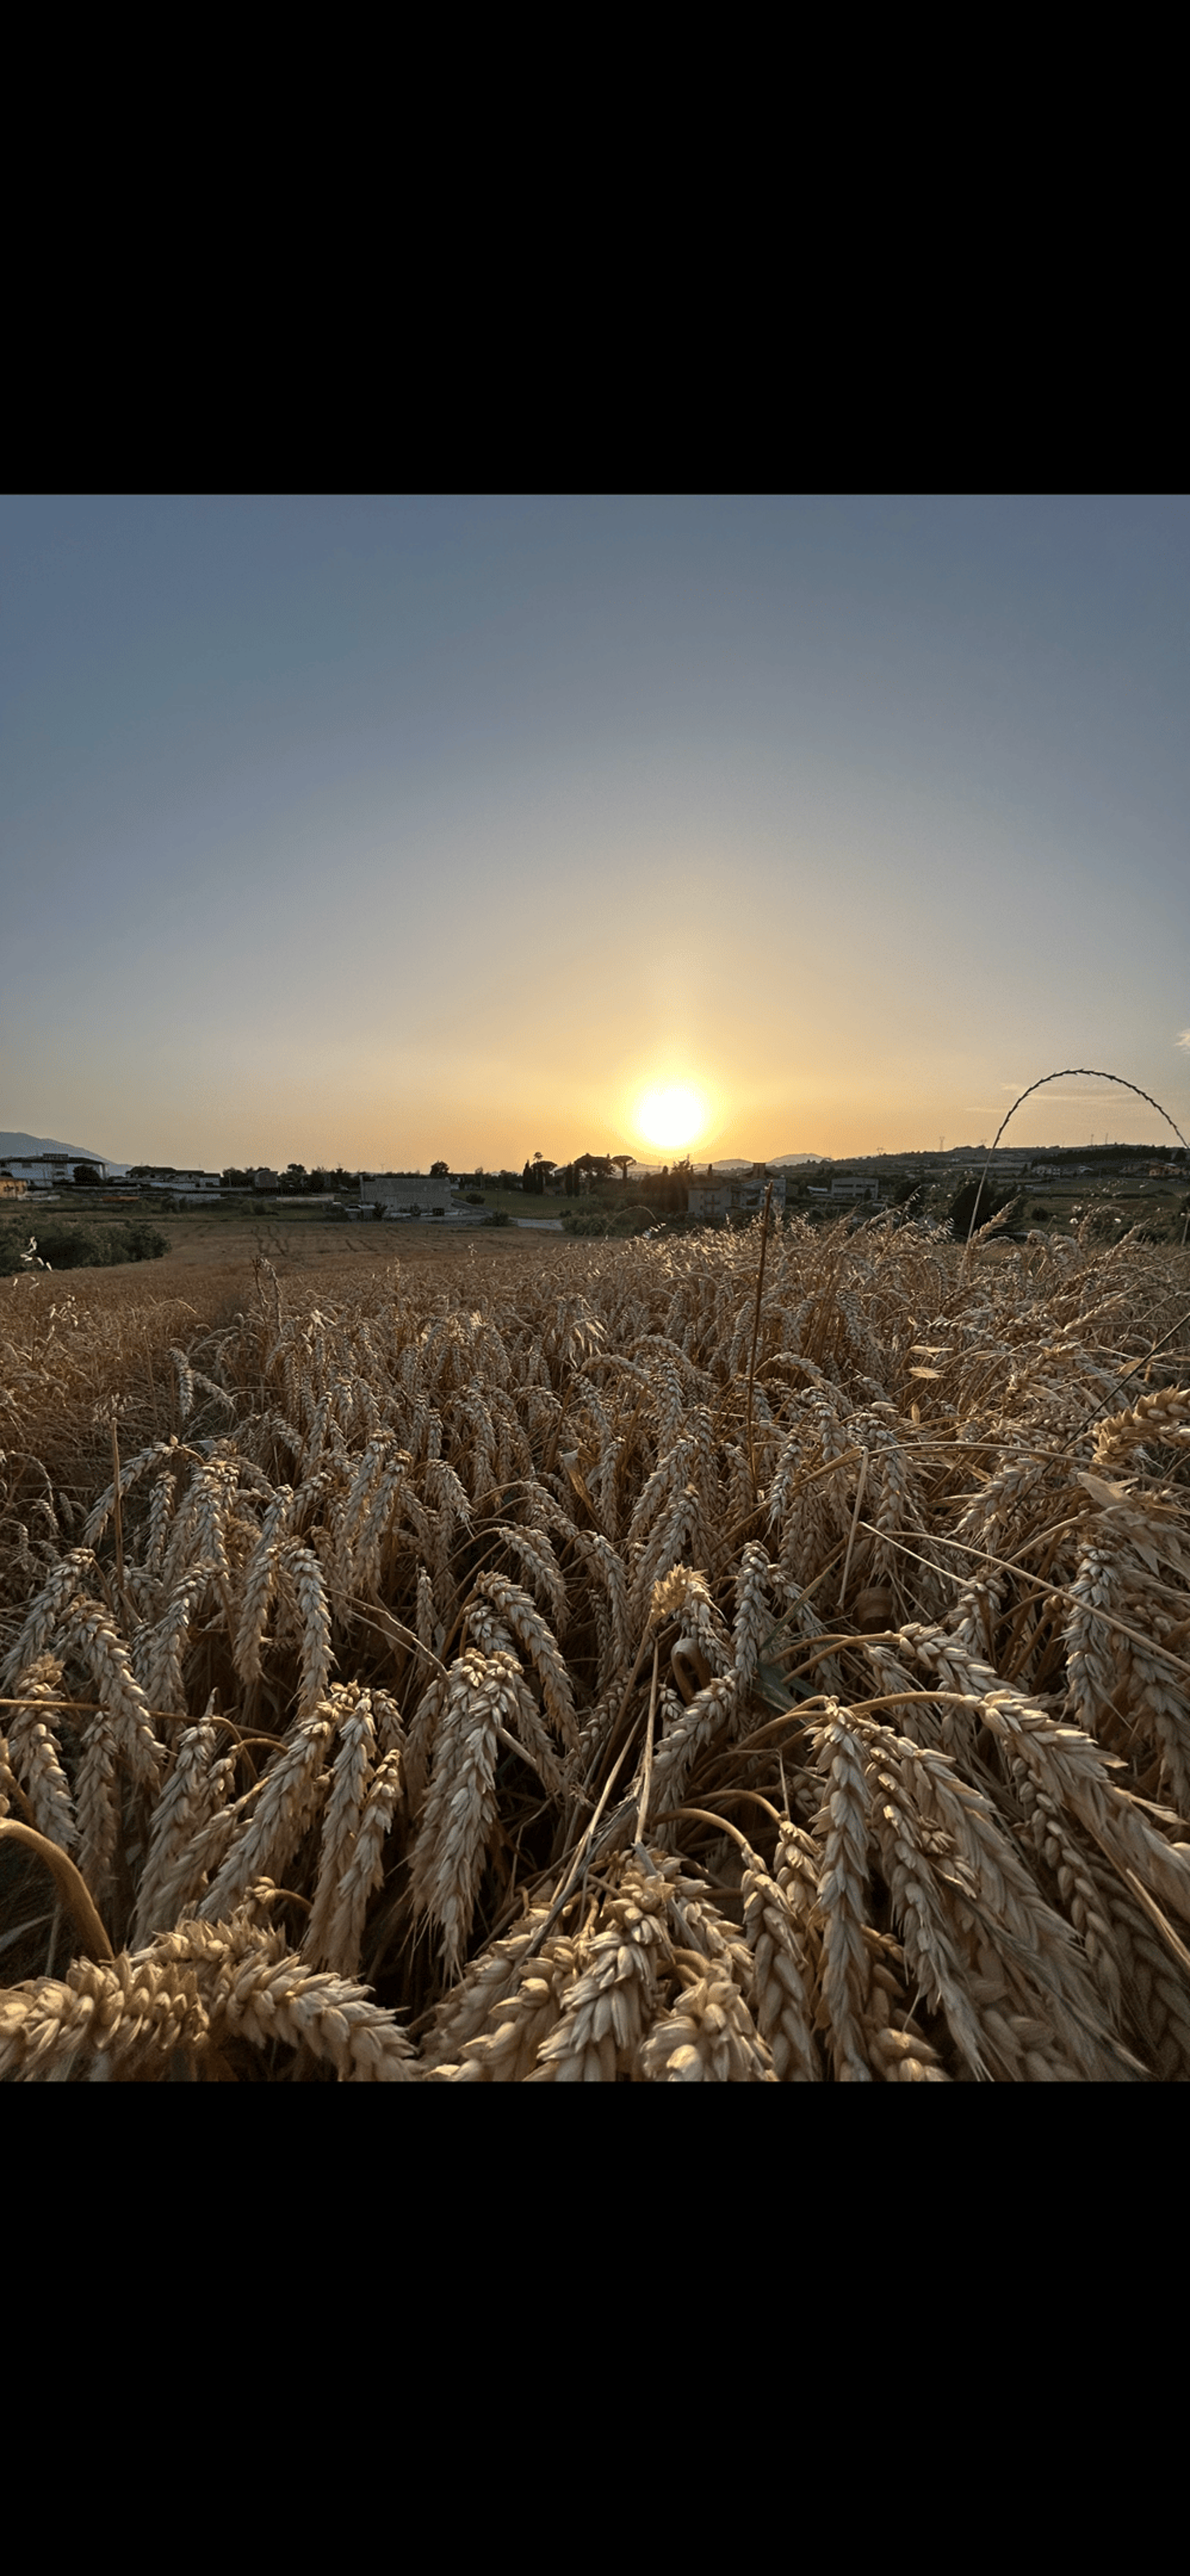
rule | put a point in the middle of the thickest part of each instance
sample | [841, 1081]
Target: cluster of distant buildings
[80, 1171]
[23, 1172]
[735, 1190]
[878, 1178]
[399, 1193]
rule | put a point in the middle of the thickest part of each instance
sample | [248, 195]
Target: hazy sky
[369, 831]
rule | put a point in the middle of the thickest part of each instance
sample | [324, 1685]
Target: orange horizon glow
[446, 829]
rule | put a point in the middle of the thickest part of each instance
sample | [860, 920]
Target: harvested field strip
[636, 1662]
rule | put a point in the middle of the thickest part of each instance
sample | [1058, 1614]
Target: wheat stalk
[619, 1496]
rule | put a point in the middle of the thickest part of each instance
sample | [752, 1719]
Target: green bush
[978, 1200]
[617, 1223]
[496, 1216]
[77, 1247]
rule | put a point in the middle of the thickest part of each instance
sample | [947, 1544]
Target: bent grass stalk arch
[1063, 1074]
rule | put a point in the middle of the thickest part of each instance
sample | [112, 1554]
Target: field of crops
[742, 1658]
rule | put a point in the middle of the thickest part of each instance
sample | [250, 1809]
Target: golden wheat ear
[731, 1657]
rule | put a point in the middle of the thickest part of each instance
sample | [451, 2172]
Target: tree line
[585, 1167]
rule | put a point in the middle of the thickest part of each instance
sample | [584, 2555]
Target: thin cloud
[1184, 1039]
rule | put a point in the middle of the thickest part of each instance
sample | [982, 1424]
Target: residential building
[734, 1194]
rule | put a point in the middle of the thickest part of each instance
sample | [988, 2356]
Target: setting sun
[672, 1117]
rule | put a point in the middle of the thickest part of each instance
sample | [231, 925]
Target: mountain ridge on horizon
[12, 1141]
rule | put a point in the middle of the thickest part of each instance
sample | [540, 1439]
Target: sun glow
[672, 1117]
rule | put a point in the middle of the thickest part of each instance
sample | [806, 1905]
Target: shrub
[141, 1241]
[77, 1247]
[618, 1222]
[986, 1203]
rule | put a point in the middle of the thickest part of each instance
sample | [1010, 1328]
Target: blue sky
[369, 830]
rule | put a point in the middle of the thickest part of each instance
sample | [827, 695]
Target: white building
[51, 1171]
[852, 1186]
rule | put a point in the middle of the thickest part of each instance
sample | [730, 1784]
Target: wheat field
[748, 1657]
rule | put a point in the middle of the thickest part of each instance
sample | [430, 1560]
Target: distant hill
[11, 1142]
[738, 1163]
[697, 1166]
[772, 1163]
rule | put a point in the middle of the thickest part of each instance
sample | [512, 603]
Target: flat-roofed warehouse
[405, 1193]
